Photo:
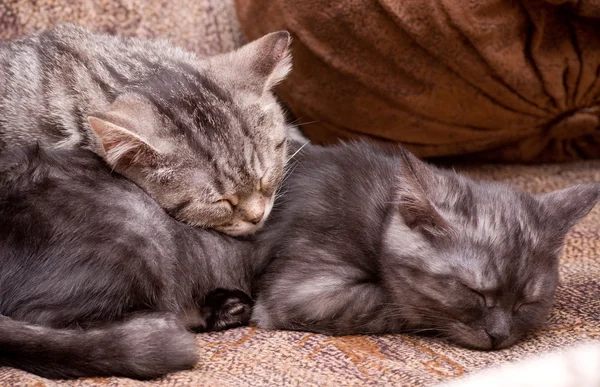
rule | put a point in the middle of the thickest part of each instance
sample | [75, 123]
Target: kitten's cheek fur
[268, 208]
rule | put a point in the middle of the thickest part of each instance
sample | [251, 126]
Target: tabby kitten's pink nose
[258, 218]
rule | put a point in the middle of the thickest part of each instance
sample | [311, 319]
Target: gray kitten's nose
[497, 326]
[497, 337]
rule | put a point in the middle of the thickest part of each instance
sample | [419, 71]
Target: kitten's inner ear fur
[416, 209]
[258, 65]
[122, 132]
[565, 207]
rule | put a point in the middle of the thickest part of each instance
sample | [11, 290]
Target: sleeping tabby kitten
[368, 240]
[96, 279]
[204, 137]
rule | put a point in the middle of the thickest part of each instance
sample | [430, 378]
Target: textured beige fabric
[251, 357]
[204, 26]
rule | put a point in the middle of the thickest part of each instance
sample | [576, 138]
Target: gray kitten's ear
[417, 210]
[258, 65]
[565, 207]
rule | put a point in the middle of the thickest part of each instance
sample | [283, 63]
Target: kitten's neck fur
[203, 260]
[354, 239]
[209, 257]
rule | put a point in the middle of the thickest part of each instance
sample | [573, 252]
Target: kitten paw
[227, 309]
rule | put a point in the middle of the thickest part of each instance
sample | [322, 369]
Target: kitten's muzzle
[497, 326]
[255, 208]
[257, 218]
[497, 338]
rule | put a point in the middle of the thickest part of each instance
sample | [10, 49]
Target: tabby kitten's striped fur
[204, 137]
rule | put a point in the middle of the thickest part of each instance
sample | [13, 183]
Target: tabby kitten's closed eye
[370, 240]
[204, 137]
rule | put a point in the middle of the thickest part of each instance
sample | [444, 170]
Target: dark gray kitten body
[204, 137]
[364, 240]
[368, 240]
[81, 247]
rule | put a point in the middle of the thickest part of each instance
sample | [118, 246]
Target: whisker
[306, 123]
[295, 153]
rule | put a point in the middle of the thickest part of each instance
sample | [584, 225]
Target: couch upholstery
[251, 357]
[205, 26]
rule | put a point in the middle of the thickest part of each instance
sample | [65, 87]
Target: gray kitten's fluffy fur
[374, 241]
[95, 278]
[204, 137]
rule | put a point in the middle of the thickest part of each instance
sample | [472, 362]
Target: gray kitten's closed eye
[369, 240]
[204, 137]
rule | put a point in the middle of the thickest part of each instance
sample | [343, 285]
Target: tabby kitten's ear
[562, 209]
[122, 131]
[417, 210]
[258, 65]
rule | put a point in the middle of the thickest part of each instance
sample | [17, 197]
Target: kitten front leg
[324, 302]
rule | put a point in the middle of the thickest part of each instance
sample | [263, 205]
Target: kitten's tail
[142, 347]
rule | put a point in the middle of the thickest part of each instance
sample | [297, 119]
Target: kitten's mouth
[240, 229]
[243, 227]
[478, 339]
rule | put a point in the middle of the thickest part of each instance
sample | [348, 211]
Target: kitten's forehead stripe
[261, 162]
[218, 184]
[104, 84]
[197, 102]
[116, 75]
[257, 163]
[507, 231]
[223, 171]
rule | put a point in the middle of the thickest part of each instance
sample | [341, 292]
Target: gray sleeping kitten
[96, 279]
[204, 137]
[368, 240]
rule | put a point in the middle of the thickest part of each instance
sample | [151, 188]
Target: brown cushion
[498, 79]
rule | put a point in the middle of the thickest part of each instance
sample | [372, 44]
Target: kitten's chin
[240, 229]
[478, 339]
[470, 338]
